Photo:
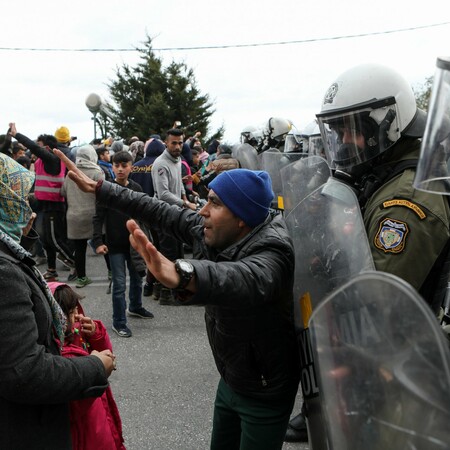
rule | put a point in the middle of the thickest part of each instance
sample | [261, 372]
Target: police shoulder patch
[391, 235]
[407, 204]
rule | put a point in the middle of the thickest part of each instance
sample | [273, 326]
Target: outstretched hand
[162, 268]
[12, 129]
[75, 174]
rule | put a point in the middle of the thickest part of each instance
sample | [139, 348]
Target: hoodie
[141, 171]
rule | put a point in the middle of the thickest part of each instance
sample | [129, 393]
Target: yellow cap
[62, 134]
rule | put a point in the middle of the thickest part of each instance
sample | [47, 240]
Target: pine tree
[423, 94]
[151, 97]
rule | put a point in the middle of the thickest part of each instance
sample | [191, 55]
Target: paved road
[166, 378]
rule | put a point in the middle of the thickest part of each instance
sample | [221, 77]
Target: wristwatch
[186, 271]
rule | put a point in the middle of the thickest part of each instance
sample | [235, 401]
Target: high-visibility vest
[48, 187]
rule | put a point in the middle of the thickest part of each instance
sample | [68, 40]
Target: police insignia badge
[391, 236]
[331, 93]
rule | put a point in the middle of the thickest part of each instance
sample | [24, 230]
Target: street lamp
[96, 105]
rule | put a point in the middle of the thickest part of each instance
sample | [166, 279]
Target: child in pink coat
[94, 422]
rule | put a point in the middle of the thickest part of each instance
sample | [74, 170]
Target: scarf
[15, 212]
[58, 317]
[108, 166]
[15, 184]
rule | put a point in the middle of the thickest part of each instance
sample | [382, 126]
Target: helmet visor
[354, 136]
[315, 146]
[293, 144]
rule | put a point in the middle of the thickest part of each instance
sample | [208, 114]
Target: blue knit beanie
[246, 193]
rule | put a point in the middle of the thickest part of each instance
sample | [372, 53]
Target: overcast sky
[41, 91]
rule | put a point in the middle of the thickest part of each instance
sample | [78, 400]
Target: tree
[423, 94]
[149, 98]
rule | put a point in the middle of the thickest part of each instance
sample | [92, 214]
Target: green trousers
[244, 423]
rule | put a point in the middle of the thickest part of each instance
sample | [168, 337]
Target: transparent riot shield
[331, 247]
[433, 169]
[383, 366]
[301, 178]
[246, 155]
[327, 229]
[272, 161]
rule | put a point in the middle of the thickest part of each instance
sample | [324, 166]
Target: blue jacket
[141, 171]
[107, 170]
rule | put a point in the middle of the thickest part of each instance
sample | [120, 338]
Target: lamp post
[96, 105]
[93, 103]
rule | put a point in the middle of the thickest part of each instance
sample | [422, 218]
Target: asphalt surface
[166, 379]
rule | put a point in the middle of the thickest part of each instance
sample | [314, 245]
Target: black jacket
[113, 222]
[246, 290]
[36, 382]
[52, 164]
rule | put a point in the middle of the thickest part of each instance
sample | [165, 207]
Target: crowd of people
[183, 198]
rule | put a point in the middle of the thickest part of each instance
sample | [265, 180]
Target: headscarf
[137, 150]
[15, 212]
[116, 146]
[15, 184]
[87, 157]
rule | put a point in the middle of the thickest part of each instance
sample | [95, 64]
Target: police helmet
[365, 112]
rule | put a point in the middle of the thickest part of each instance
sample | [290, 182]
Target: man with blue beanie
[248, 194]
[243, 275]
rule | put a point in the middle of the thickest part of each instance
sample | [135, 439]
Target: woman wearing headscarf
[137, 150]
[36, 382]
[81, 209]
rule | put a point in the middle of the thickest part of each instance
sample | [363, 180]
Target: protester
[50, 173]
[223, 161]
[116, 244]
[104, 161]
[137, 150]
[80, 210]
[168, 187]
[95, 422]
[64, 139]
[141, 172]
[244, 277]
[37, 383]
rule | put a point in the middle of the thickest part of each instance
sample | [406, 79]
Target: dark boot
[156, 290]
[148, 290]
[167, 298]
[297, 430]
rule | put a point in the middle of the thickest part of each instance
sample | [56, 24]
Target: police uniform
[408, 229]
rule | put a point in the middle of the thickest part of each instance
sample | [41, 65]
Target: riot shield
[331, 247]
[246, 155]
[272, 161]
[301, 178]
[433, 168]
[383, 366]
[327, 229]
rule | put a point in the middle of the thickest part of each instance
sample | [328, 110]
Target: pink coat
[94, 422]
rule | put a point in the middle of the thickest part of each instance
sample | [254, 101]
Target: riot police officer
[371, 128]
[274, 134]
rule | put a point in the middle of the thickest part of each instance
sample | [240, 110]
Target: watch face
[185, 266]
